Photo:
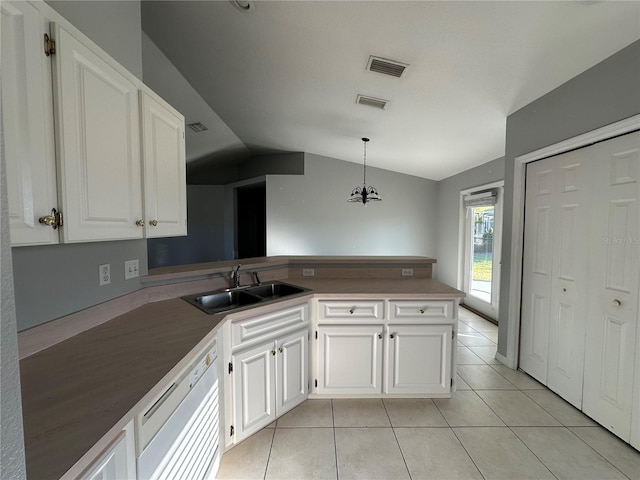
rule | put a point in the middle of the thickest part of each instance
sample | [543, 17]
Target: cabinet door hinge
[49, 45]
[452, 381]
[316, 334]
[453, 334]
[316, 383]
[230, 367]
[231, 431]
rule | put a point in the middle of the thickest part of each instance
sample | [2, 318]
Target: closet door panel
[536, 278]
[614, 260]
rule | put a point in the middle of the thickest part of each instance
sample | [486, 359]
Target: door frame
[462, 235]
[517, 220]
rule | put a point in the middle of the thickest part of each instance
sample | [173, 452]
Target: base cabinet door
[349, 359]
[292, 371]
[254, 386]
[419, 359]
[117, 462]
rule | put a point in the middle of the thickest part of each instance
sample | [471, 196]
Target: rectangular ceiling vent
[386, 66]
[372, 102]
[197, 127]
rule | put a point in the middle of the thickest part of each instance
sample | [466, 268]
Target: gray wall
[12, 464]
[206, 231]
[309, 215]
[604, 94]
[114, 25]
[56, 280]
[448, 207]
[64, 278]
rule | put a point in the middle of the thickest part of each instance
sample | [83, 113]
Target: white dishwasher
[178, 434]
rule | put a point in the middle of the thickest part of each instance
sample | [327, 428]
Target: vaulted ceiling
[284, 76]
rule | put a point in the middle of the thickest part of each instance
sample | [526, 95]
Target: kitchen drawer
[367, 310]
[265, 326]
[425, 311]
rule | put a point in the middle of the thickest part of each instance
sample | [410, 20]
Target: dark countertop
[74, 392]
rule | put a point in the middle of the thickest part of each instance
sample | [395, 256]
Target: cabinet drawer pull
[421, 311]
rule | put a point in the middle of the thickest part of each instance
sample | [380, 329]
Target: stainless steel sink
[216, 302]
[274, 290]
[232, 298]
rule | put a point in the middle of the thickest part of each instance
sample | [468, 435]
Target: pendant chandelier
[364, 194]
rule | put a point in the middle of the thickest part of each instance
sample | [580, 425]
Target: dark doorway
[251, 214]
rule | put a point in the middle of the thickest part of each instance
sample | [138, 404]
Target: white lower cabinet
[350, 359]
[419, 359]
[118, 461]
[269, 380]
[268, 369]
[406, 351]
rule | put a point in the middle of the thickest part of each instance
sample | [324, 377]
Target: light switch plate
[407, 272]
[131, 269]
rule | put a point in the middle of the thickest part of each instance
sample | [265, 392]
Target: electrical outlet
[104, 274]
[131, 269]
[308, 272]
[407, 272]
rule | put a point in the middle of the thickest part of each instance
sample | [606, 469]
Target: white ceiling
[285, 75]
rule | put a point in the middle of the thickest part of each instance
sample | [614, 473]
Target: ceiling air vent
[386, 67]
[197, 127]
[372, 102]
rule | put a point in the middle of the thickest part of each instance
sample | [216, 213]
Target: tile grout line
[384, 405]
[457, 438]
[335, 443]
[511, 430]
[273, 436]
[596, 451]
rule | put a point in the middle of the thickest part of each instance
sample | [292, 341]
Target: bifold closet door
[614, 266]
[554, 274]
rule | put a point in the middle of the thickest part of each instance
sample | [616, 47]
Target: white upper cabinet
[164, 160]
[98, 144]
[27, 124]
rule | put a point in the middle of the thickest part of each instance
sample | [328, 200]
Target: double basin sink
[232, 298]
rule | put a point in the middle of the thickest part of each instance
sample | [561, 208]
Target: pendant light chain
[364, 180]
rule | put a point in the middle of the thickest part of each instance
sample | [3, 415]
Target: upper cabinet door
[165, 194]
[27, 124]
[98, 146]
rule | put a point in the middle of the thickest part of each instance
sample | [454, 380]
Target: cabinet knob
[616, 303]
[140, 223]
[391, 336]
[273, 352]
[54, 220]
[154, 223]
[351, 311]
[380, 336]
[421, 311]
[280, 350]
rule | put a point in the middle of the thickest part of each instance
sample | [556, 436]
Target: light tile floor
[500, 424]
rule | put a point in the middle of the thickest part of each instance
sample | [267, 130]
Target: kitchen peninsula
[80, 393]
